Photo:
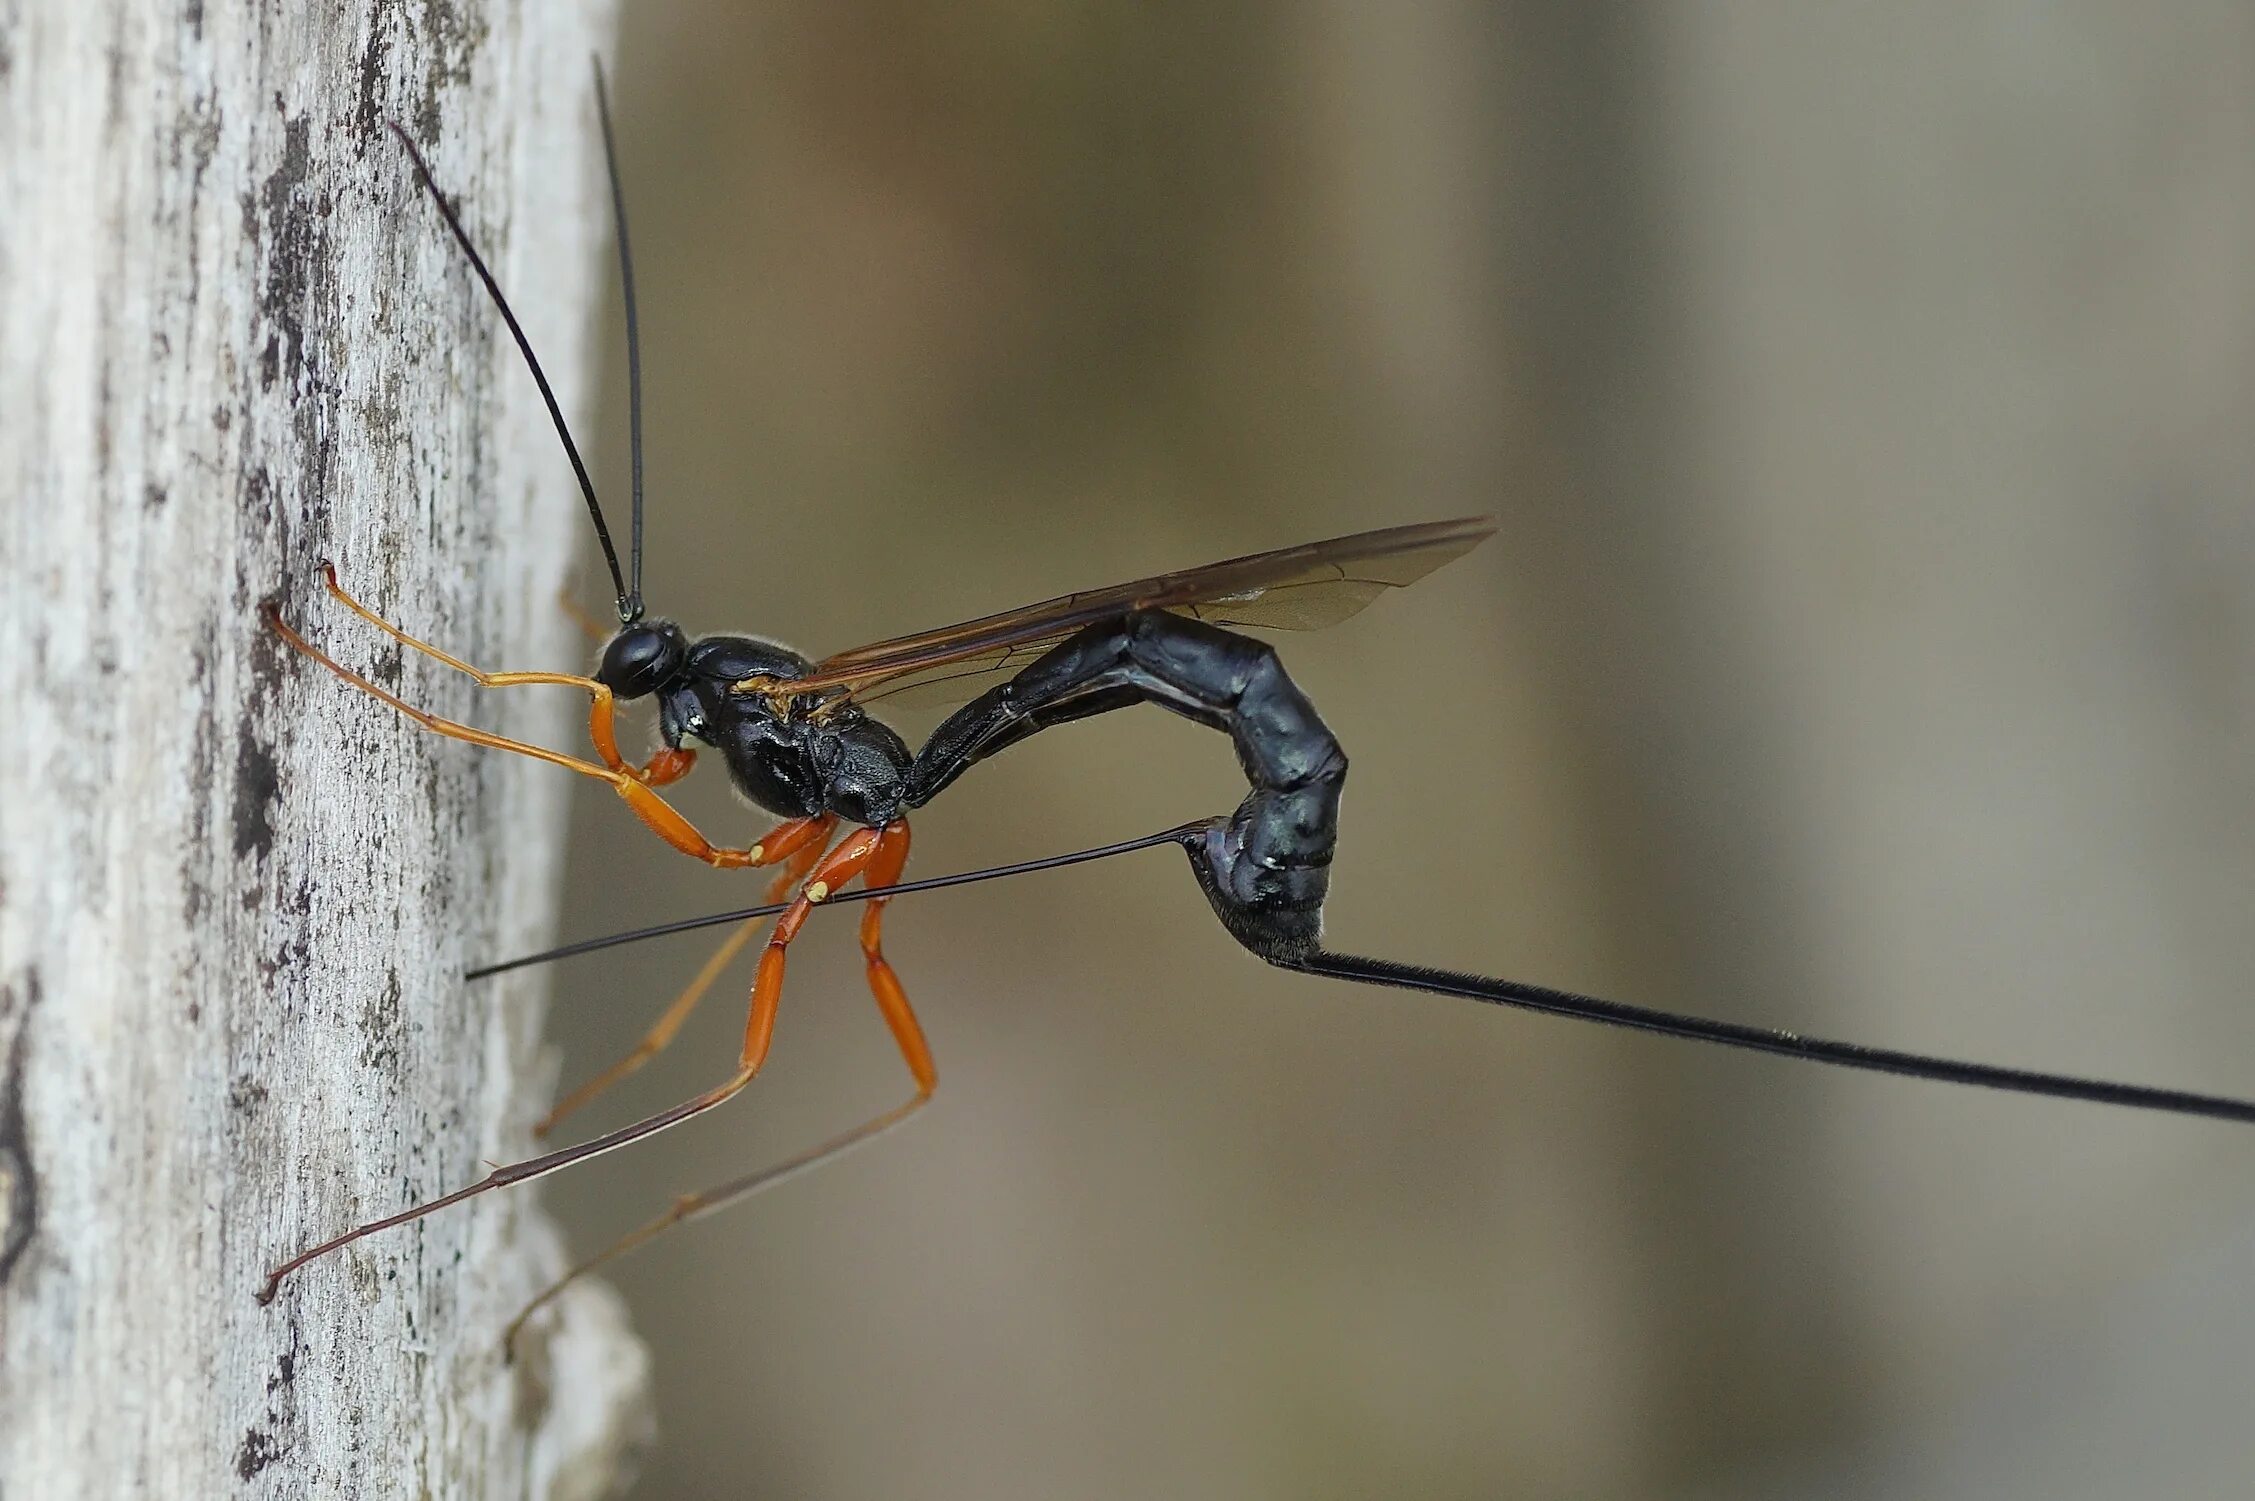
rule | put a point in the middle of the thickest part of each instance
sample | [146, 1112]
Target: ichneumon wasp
[799, 740]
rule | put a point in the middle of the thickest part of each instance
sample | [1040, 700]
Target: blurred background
[1864, 395]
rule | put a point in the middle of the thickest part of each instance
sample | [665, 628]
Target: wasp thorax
[643, 658]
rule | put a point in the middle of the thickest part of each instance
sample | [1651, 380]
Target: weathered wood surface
[234, 896]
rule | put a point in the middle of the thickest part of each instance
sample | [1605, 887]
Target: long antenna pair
[629, 586]
[1515, 993]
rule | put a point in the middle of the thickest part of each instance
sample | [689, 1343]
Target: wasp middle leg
[884, 868]
[848, 859]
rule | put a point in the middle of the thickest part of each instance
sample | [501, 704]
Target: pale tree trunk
[236, 896]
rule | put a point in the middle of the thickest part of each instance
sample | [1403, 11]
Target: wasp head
[643, 658]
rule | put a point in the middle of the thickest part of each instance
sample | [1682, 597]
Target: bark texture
[235, 896]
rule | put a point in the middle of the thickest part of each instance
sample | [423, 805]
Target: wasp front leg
[632, 783]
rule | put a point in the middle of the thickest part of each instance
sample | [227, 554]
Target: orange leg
[668, 765]
[883, 869]
[632, 784]
[798, 846]
[885, 866]
[851, 856]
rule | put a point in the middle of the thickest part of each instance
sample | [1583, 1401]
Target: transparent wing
[1300, 588]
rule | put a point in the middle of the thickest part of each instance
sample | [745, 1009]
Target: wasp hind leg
[797, 844]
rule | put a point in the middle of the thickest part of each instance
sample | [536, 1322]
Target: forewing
[1300, 588]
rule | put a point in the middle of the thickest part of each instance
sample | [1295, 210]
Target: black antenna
[1526, 997]
[630, 601]
[524, 347]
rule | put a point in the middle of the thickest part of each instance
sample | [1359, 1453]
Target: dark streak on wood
[18, 1183]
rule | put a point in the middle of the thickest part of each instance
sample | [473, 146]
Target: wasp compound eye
[642, 659]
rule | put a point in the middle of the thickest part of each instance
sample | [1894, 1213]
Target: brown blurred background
[1864, 397]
